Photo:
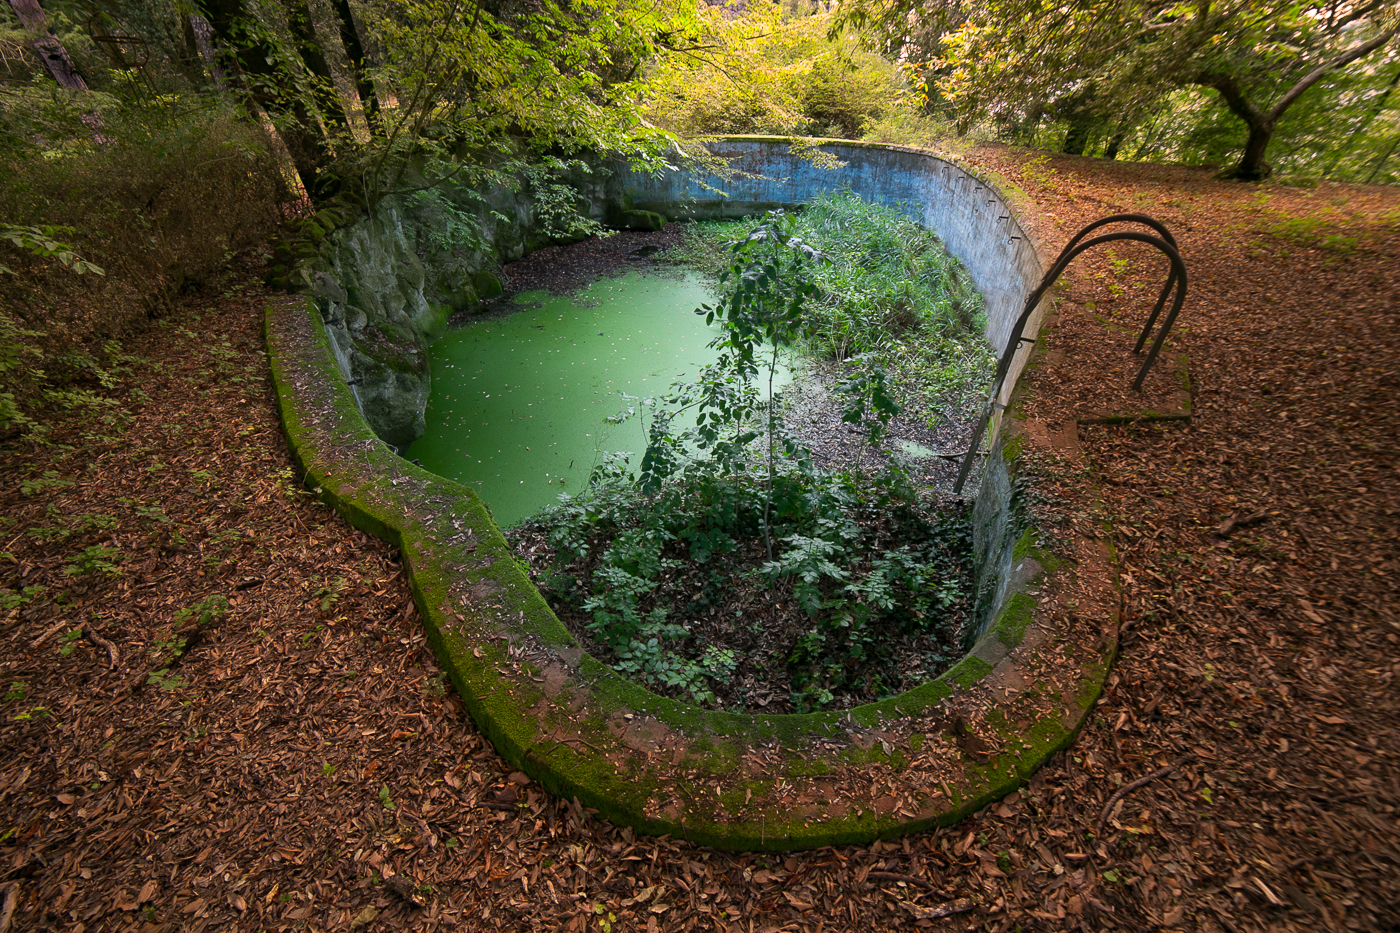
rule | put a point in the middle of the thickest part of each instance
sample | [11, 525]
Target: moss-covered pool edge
[568, 721]
[552, 711]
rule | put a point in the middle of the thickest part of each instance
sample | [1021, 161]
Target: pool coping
[928, 757]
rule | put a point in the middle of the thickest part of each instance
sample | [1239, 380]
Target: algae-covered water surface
[519, 403]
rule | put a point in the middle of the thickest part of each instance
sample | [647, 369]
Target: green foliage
[867, 564]
[448, 228]
[10, 599]
[69, 642]
[19, 690]
[1159, 79]
[207, 611]
[888, 293]
[763, 69]
[40, 242]
[48, 480]
[327, 595]
[557, 203]
[561, 78]
[168, 649]
[96, 558]
[165, 679]
[885, 276]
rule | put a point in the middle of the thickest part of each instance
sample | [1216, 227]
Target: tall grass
[886, 276]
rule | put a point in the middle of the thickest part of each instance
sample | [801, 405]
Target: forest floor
[297, 764]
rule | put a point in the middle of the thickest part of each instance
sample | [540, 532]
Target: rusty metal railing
[1176, 282]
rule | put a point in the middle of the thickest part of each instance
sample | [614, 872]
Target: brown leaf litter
[304, 753]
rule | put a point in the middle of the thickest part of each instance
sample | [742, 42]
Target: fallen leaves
[250, 795]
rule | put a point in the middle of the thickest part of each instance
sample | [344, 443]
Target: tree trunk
[1077, 139]
[350, 38]
[304, 31]
[57, 62]
[297, 126]
[1114, 144]
[1252, 166]
[202, 34]
[187, 57]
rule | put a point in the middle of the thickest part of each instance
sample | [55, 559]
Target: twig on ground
[103, 643]
[1234, 521]
[52, 629]
[1308, 860]
[895, 876]
[960, 906]
[1127, 789]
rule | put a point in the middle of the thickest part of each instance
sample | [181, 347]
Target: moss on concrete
[561, 716]
[1014, 619]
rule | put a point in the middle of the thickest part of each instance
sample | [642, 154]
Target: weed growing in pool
[866, 595]
[889, 288]
[726, 570]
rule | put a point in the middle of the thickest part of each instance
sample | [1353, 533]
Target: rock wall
[386, 284]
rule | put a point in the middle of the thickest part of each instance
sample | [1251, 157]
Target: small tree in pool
[764, 294]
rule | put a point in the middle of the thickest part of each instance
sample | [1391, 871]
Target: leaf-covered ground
[304, 756]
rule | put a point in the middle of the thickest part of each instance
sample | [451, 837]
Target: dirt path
[301, 750]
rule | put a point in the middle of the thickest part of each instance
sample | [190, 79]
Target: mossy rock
[641, 220]
[487, 285]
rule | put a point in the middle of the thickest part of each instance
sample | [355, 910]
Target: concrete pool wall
[967, 212]
[926, 757]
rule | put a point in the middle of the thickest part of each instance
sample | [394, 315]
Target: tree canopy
[1115, 60]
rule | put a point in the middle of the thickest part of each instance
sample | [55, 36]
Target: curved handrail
[1165, 234]
[1176, 281]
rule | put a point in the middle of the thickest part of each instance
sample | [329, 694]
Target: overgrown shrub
[158, 200]
[889, 288]
[159, 194]
[852, 569]
[862, 571]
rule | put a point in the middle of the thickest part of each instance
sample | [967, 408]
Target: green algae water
[519, 403]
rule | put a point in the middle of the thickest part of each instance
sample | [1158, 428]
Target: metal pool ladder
[1176, 281]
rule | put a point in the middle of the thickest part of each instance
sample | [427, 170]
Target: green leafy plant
[69, 642]
[165, 679]
[96, 558]
[41, 241]
[207, 611]
[328, 595]
[385, 800]
[49, 480]
[10, 599]
[19, 690]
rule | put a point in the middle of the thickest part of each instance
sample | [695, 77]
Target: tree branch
[1234, 97]
[1312, 77]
